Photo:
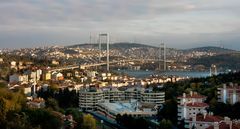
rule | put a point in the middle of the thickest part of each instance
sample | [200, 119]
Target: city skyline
[184, 24]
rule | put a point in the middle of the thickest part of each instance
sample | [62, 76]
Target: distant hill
[121, 45]
[127, 45]
[130, 45]
[212, 49]
[228, 60]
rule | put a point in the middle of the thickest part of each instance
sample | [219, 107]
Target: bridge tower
[162, 57]
[107, 40]
[213, 70]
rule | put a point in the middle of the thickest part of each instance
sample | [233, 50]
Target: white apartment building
[113, 94]
[134, 93]
[229, 93]
[145, 95]
[153, 97]
[88, 99]
[190, 105]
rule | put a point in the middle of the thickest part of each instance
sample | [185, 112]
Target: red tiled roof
[197, 104]
[193, 96]
[210, 127]
[223, 125]
[236, 126]
[209, 118]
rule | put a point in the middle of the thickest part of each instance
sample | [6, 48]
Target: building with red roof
[189, 105]
[213, 122]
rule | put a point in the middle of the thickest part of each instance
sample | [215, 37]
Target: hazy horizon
[179, 24]
[154, 45]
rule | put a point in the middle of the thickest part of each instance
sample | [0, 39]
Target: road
[111, 124]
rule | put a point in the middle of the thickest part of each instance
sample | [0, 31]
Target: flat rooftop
[123, 108]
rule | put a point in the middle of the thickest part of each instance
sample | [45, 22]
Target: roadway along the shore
[107, 122]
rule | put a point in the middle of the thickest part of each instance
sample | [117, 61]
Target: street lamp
[102, 124]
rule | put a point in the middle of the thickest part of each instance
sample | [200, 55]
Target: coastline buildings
[229, 93]
[213, 70]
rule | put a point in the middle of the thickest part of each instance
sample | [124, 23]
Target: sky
[177, 23]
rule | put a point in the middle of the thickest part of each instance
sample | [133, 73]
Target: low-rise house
[13, 64]
[47, 76]
[57, 76]
[36, 103]
[54, 62]
[27, 90]
[33, 77]
[39, 74]
[1, 60]
[91, 74]
[16, 78]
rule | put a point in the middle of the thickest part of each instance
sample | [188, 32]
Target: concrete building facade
[229, 93]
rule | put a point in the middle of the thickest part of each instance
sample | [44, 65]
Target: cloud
[72, 20]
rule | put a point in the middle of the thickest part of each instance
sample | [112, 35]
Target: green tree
[10, 101]
[221, 109]
[52, 104]
[169, 111]
[2, 84]
[89, 122]
[235, 113]
[18, 120]
[54, 87]
[165, 124]
[45, 119]
[77, 116]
